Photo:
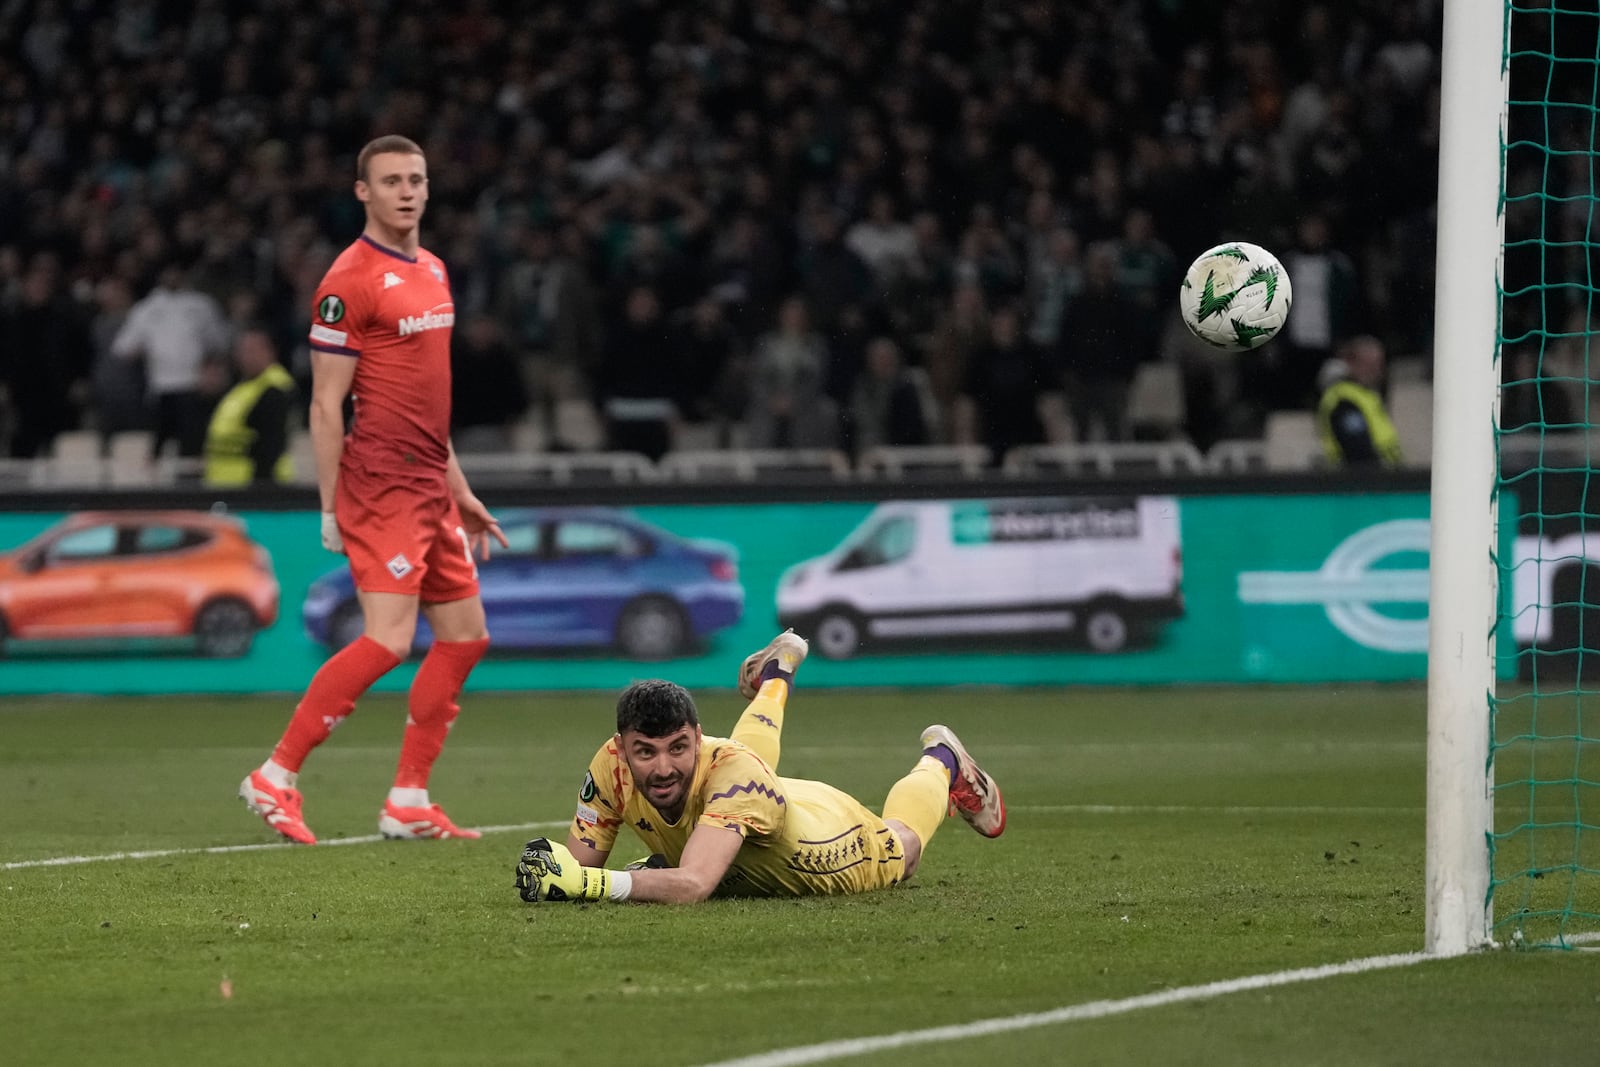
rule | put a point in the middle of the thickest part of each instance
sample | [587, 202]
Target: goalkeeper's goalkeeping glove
[549, 871]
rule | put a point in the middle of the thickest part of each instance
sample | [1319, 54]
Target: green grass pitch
[1158, 839]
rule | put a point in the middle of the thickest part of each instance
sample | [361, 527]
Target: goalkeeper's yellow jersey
[800, 837]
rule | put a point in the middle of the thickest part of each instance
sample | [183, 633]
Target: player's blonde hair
[389, 142]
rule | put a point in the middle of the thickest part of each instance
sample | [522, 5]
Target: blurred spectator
[788, 408]
[749, 272]
[1326, 311]
[890, 403]
[546, 307]
[45, 361]
[247, 441]
[732, 151]
[1100, 350]
[1148, 273]
[847, 344]
[487, 392]
[986, 257]
[704, 360]
[917, 296]
[1207, 387]
[1352, 419]
[651, 258]
[1053, 281]
[885, 242]
[831, 275]
[174, 329]
[118, 386]
[962, 328]
[1187, 194]
[1328, 161]
[1003, 388]
[634, 386]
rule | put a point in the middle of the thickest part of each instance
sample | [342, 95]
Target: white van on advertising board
[1103, 569]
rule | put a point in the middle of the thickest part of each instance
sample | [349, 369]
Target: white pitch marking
[155, 854]
[1095, 1009]
[1582, 941]
[1214, 809]
[1064, 809]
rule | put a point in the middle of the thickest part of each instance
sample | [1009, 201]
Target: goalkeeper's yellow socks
[921, 799]
[760, 728]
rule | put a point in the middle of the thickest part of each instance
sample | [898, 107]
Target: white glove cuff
[621, 885]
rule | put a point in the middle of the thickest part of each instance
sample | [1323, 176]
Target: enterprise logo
[1347, 586]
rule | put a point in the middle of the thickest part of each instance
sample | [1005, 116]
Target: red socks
[331, 697]
[433, 707]
[351, 672]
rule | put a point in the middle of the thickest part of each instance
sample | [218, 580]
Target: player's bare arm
[586, 853]
[706, 858]
[331, 377]
[574, 871]
[475, 517]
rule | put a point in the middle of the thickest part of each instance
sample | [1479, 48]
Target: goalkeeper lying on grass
[716, 811]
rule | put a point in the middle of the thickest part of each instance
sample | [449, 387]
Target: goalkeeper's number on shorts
[549, 871]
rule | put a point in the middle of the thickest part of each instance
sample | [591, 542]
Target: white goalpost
[1462, 597]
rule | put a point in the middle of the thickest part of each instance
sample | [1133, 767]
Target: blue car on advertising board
[575, 578]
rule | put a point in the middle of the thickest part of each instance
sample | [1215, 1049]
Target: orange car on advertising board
[113, 575]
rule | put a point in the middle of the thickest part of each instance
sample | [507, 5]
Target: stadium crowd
[828, 223]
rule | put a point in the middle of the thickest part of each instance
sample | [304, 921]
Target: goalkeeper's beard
[666, 792]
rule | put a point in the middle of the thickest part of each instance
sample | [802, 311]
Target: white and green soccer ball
[1235, 296]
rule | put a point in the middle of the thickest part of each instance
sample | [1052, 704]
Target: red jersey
[393, 314]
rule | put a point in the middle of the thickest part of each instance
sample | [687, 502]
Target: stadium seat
[18, 475]
[74, 461]
[129, 465]
[530, 433]
[129, 445]
[1527, 450]
[76, 445]
[577, 425]
[304, 457]
[556, 468]
[180, 470]
[899, 461]
[1156, 409]
[1105, 459]
[697, 436]
[1245, 455]
[482, 439]
[1059, 425]
[1411, 408]
[1291, 440]
[750, 464]
[1412, 368]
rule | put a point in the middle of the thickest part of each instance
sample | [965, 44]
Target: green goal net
[1545, 725]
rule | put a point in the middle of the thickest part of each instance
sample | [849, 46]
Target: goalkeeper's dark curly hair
[655, 708]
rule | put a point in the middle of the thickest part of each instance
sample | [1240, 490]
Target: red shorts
[404, 537]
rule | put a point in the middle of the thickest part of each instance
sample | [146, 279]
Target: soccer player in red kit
[394, 499]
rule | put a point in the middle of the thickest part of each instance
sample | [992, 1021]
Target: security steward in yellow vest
[1352, 420]
[248, 439]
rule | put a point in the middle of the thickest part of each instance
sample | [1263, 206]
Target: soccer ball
[1236, 296]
